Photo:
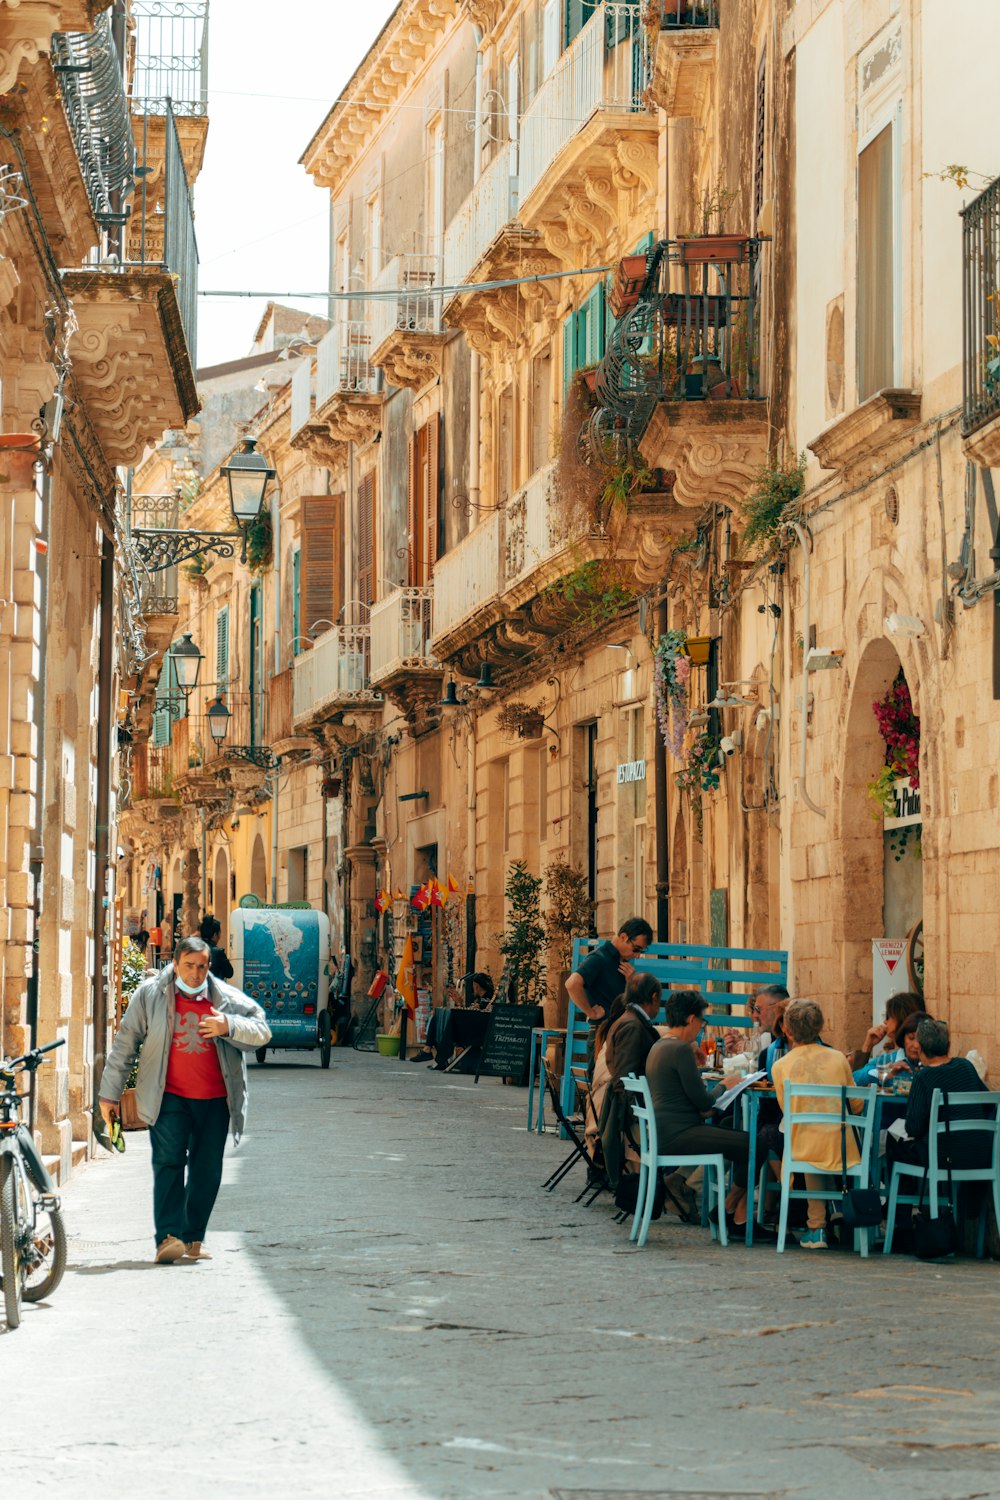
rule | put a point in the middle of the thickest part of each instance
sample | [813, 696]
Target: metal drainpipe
[104, 731]
[662, 831]
[37, 857]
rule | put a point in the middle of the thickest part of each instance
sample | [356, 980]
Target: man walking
[191, 1087]
[603, 975]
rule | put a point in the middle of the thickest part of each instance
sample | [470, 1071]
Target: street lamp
[218, 716]
[187, 660]
[247, 474]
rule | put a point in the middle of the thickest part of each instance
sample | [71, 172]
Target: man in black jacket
[210, 931]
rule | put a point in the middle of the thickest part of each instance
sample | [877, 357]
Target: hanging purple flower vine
[671, 675]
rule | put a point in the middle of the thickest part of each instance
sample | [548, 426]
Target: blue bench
[682, 966]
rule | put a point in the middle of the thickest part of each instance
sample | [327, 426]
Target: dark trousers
[714, 1140]
[189, 1134]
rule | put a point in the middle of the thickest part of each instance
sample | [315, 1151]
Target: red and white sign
[889, 976]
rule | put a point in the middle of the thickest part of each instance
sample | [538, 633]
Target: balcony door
[879, 261]
[424, 504]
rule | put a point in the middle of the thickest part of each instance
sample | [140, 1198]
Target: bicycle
[32, 1236]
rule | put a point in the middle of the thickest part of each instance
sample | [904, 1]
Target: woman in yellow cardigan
[810, 1062]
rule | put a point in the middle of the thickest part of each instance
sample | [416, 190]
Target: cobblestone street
[395, 1309]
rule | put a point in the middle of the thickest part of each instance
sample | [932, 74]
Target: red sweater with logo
[193, 1069]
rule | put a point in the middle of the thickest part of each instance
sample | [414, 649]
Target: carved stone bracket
[575, 207]
[410, 359]
[317, 442]
[867, 429]
[713, 447]
[352, 417]
[684, 70]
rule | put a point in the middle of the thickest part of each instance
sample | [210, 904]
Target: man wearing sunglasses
[603, 974]
[191, 1089]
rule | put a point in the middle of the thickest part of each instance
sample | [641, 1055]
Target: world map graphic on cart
[281, 969]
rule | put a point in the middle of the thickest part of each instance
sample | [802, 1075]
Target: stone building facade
[646, 345]
[94, 364]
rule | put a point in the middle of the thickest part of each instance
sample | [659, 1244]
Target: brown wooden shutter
[321, 565]
[432, 462]
[366, 540]
[414, 561]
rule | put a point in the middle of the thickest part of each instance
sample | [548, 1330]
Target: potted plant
[671, 675]
[713, 244]
[630, 274]
[700, 774]
[520, 720]
[522, 942]
[19, 452]
[775, 488]
[569, 914]
[899, 727]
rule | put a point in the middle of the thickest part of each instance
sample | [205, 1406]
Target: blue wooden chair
[651, 1160]
[829, 1119]
[937, 1171]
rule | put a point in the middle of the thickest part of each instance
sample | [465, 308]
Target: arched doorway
[882, 883]
[220, 892]
[258, 870]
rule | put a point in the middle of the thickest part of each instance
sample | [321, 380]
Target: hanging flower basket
[705, 249]
[19, 452]
[671, 675]
[627, 285]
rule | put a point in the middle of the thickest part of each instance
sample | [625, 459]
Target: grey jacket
[149, 1022]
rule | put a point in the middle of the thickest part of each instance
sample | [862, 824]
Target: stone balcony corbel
[714, 448]
[684, 70]
[130, 358]
[318, 443]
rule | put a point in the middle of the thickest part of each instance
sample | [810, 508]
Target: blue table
[540, 1037]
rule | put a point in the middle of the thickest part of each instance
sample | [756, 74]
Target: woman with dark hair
[210, 931]
[903, 1056]
[882, 1038]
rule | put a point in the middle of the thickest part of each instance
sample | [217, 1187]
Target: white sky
[274, 71]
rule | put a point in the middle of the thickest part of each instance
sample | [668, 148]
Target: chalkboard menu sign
[507, 1047]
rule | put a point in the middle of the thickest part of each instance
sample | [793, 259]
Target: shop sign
[631, 770]
[907, 799]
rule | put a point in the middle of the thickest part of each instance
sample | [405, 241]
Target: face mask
[187, 989]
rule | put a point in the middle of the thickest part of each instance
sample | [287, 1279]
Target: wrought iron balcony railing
[684, 15]
[415, 308]
[343, 363]
[337, 670]
[692, 336]
[491, 205]
[981, 309]
[89, 71]
[180, 248]
[401, 633]
[171, 57]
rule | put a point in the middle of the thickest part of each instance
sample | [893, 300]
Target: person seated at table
[903, 1058]
[762, 1009]
[438, 1049]
[631, 1032]
[809, 1061]
[682, 1104]
[882, 1037]
[779, 1044]
[956, 1075]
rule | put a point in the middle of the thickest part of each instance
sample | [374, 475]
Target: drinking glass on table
[884, 1070]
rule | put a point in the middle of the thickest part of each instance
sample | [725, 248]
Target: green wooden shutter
[569, 363]
[590, 329]
[222, 649]
[578, 13]
[623, 22]
[296, 600]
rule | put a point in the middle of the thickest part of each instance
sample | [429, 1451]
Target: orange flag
[405, 986]
[420, 899]
[397, 895]
[452, 885]
[437, 898]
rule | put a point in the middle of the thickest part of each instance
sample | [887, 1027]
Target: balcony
[135, 353]
[680, 380]
[588, 136]
[402, 664]
[306, 434]
[981, 326]
[686, 55]
[407, 332]
[348, 385]
[331, 677]
[467, 587]
[281, 737]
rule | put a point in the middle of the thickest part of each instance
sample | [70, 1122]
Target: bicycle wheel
[46, 1259]
[10, 1239]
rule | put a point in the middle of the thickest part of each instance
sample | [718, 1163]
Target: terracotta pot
[19, 452]
[702, 248]
[627, 285]
[531, 728]
[697, 647]
[589, 378]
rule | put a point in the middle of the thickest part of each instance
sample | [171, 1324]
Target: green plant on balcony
[260, 542]
[624, 479]
[595, 591]
[522, 942]
[518, 720]
[574, 483]
[775, 488]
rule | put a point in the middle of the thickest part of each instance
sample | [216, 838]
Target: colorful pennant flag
[405, 987]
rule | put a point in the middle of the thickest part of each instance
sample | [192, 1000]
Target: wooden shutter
[578, 13]
[569, 363]
[222, 649]
[321, 563]
[366, 540]
[296, 601]
[414, 531]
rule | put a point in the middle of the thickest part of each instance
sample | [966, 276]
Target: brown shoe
[195, 1252]
[169, 1250]
[680, 1198]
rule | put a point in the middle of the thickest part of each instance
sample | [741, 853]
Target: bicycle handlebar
[31, 1060]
